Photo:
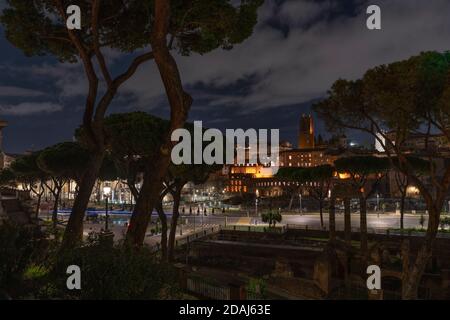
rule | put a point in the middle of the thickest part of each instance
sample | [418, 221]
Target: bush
[271, 218]
[32, 267]
[20, 247]
[112, 272]
[445, 222]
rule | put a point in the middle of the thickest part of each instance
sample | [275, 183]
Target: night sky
[297, 51]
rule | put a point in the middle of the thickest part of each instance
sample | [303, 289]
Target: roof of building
[300, 150]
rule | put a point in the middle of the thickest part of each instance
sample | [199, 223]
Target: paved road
[381, 221]
[312, 220]
[120, 231]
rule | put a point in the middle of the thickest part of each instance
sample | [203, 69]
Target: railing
[204, 232]
[208, 290]
[380, 231]
[250, 228]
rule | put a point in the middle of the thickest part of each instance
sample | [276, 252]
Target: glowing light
[343, 175]
[106, 190]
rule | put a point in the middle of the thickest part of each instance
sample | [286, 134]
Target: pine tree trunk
[134, 191]
[38, 205]
[402, 210]
[180, 103]
[412, 282]
[163, 219]
[174, 222]
[363, 228]
[149, 198]
[55, 208]
[332, 217]
[291, 202]
[74, 229]
[347, 221]
[321, 212]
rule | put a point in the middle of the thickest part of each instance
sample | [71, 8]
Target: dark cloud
[10, 91]
[29, 108]
[297, 51]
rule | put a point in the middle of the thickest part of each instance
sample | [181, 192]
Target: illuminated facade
[248, 178]
[305, 158]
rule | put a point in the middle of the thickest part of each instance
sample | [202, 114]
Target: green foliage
[319, 173]
[133, 139]
[204, 25]
[108, 170]
[136, 137]
[32, 267]
[271, 218]
[418, 166]
[362, 165]
[26, 169]
[66, 160]
[444, 222]
[35, 271]
[7, 177]
[291, 173]
[403, 96]
[113, 272]
[20, 247]
[313, 174]
[422, 220]
[256, 288]
[135, 134]
[36, 27]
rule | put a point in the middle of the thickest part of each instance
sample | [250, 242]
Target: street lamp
[106, 192]
[256, 203]
[300, 200]
[378, 205]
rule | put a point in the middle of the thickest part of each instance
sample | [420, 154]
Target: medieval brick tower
[306, 133]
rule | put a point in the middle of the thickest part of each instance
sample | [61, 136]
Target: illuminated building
[247, 178]
[305, 158]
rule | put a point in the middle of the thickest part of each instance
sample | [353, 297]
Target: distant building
[380, 143]
[420, 142]
[247, 178]
[305, 158]
[306, 132]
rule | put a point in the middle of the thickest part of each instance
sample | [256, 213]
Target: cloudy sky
[299, 48]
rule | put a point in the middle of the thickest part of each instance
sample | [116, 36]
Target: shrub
[20, 247]
[112, 272]
[271, 218]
